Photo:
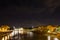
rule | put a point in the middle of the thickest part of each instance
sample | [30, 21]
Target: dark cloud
[18, 11]
[52, 3]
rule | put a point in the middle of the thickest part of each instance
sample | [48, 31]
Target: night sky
[29, 12]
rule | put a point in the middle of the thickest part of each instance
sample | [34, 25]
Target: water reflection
[38, 37]
[56, 39]
[33, 36]
[29, 34]
[52, 38]
[49, 38]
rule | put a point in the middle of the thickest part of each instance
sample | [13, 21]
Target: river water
[34, 36]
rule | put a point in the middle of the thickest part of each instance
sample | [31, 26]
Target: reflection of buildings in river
[56, 39]
[50, 38]
[15, 32]
[30, 34]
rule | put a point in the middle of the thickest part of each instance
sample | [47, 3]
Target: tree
[50, 28]
[58, 29]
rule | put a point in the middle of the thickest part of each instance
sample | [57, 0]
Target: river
[34, 36]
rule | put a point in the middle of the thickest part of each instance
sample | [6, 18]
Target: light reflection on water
[33, 36]
[50, 38]
[56, 39]
[39, 37]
